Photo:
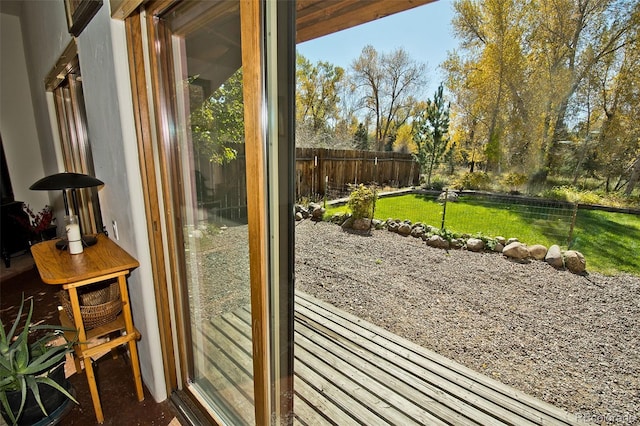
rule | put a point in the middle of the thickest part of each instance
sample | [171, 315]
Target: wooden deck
[350, 372]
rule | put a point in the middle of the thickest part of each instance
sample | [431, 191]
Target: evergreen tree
[430, 133]
[361, 138]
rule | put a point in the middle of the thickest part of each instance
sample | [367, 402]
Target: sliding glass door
[213, 204]
[221, 157]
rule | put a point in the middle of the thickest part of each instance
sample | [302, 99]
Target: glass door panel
[209, 132]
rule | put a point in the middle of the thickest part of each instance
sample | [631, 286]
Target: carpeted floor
[117, 392]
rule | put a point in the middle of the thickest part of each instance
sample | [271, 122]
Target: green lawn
[609, 241]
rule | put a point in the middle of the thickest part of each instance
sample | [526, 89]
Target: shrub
[589, 197]
[572, 195]
[473, 180]
[362, 201]
[438, 183]
[514, 181]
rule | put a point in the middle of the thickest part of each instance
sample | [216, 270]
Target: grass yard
[609, 241]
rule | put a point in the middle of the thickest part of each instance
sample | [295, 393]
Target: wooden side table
[101, 262]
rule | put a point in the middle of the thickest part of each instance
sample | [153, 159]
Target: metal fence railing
[553, 219]
[470, 212]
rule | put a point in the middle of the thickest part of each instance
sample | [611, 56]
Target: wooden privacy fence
[318, 169]
[221, 188]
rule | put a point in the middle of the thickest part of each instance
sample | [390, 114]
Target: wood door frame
[252, 27]
[308, 26]
[144, 133]
[252, 35]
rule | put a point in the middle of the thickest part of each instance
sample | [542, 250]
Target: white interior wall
[103, 61]
[103, 57]
[17, 121]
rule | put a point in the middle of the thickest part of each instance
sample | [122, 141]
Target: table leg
[82, 339]
[135, 368]
[93, 388]
[128, 321]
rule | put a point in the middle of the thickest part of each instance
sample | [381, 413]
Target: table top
[59, 267]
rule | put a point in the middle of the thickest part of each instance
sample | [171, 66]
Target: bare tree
[388, 83]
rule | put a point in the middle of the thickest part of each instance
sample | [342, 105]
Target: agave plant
[24, 365]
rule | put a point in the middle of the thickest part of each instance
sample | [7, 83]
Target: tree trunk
[557, 135]
[633, 179]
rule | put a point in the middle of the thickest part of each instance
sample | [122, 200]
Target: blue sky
[424, 32]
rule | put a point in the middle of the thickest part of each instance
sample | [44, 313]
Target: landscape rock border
[511, 248]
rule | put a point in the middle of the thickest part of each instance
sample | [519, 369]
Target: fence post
[573, 224]
[326, 188]
[375, 169]
[315, 177]
[444, 207]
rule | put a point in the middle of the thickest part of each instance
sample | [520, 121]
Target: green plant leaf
[22, 364]
[22, 353]
[23, 396]
[32, 383]
[7, 408]
[48, 381]
[9, 336]
[47, 360]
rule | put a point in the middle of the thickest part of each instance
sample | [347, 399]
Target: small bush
[473, 180]
[438, 183]
[362, 199]
[572, 195]
[556, 193]
[514, 181]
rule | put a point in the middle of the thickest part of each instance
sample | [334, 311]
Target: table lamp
[67, 181]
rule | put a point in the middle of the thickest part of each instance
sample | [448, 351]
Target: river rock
[348, 223]
[438, 242]
[475, 244]
[456, 243]
[554, 257]
[317, 211]
[417, 231]
[339, 218]
[303, 211]
[362, 224]
[516, 250]
[575, 261]
[538, 251]
[449, 196]
[404, 229]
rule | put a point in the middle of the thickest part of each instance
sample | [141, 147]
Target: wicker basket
[99, 305]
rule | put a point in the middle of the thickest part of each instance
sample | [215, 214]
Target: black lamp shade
[68, 181]
[65, 180]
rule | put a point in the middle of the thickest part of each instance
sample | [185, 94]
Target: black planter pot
[52, 399]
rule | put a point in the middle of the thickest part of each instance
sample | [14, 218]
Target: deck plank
[351, 372]
[416, 397]
[320, 407]
[448, 394]
[488, 392]
[226, 375]
[392, 406]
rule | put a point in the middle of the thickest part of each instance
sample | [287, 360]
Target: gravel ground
[573, 341]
